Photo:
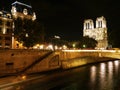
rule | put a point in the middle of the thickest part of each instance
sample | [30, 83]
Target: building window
[0, 22]
[9, 65]
[7, 31]
[13, 10]
[0, 37]
[7, 45]
[0, 30]
[4, 30]
[0, 45]
[8, 15]
[100, 24]
[8, 23]
[87, 25]
[25, 11]
[7, 38]
[1, 13]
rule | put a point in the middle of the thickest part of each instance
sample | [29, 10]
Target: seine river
[100, 76]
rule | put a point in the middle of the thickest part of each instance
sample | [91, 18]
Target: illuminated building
[7, 38]
[99, 33]
[6, 28]
[23, 11]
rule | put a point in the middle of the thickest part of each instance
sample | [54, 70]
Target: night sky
[65, 17]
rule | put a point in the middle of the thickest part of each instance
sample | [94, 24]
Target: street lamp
[84, 45]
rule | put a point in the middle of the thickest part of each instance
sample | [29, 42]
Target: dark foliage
[28, 32]
[87, 42]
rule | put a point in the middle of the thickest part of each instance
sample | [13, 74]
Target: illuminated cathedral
[99, 32]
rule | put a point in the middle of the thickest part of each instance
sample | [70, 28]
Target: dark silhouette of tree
[28, 32]
[87, 42]
[57, 42]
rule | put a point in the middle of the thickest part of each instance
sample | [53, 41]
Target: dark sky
[65, 17]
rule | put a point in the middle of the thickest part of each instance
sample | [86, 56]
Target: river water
[100, 76]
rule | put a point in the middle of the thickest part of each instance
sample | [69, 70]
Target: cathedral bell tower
[101, 34]
[98, 33]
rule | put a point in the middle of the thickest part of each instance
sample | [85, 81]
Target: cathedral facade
[99, 32]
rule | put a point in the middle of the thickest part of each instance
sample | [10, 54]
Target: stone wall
[66, 64]
[12, 61]
[15, 60]
[65, 55]
[49, 63]
[78, 58]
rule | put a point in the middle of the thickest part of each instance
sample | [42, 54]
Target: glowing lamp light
[41, 46]
[84, 46]
[50, 47]
[26, 35]
[58, 37]
[34, 16]
[56, 47]
[64, 47]
[73, 45]
[23, 77]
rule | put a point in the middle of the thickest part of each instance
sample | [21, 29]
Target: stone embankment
[33, 61]
[75, 58]
[76, 62]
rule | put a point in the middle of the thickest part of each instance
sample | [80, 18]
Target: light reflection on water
[116, 63]
[103, 75]
[93, 74]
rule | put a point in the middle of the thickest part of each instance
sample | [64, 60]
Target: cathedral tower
[101, 34]
[98, 33]
[88, 26]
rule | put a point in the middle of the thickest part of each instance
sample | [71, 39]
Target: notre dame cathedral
[99, 32]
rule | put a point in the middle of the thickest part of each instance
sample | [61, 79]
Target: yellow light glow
[23, 77]
[56, 47]
[64, 47]
[93, 74]
[89, 50]
[73, 45]
[41, 46]
[102, 68]
[50, 47]
[116, 63]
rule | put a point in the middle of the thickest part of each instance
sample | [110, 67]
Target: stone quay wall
[13, 61]
[70, 58]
